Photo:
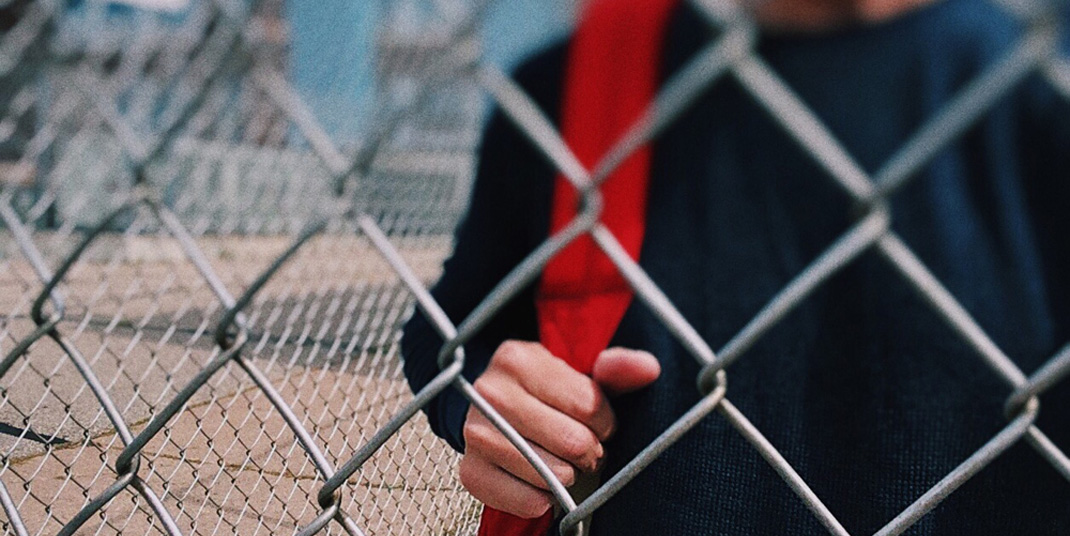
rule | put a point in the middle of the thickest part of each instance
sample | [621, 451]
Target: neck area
[821, 15]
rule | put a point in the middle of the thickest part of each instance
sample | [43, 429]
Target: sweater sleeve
[507, 217]
[1044, 142]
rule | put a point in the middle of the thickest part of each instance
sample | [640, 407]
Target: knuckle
[611, 430]
[480, 437]
[535, 507]
[514, 357]
[474, 438]
[467, 474]
[587, 402]
[480, 385]
[577, 445]
[490, 390]
[508, 354]
[566, 474]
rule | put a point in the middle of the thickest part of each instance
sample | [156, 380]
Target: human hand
[561, 412]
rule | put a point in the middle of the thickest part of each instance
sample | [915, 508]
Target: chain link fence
[202, 289]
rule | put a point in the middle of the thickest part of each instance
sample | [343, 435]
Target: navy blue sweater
[864, 389]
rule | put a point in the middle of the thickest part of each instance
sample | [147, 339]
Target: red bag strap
[611, 78]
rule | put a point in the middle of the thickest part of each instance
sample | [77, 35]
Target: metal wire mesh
[201, 289]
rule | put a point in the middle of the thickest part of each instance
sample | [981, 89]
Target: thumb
[620, 370]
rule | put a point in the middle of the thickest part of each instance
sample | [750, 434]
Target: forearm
[420, 347]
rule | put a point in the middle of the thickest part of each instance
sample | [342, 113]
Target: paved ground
[324, 331]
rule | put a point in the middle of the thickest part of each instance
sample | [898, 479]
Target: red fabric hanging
[611, 78]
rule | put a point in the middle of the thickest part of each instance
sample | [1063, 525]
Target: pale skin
[566, 415]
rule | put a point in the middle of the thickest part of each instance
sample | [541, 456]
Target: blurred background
[351, 64]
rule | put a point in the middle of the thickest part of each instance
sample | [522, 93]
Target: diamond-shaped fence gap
[284, 471]
[391, 493]
[1006, 340]
[128, 513]
[222, 458]
[323, 353]
[364, 389]
[267, 185]
[272, 450]
[757, 478]
[19, 286]
[372, 408]
[343, 385]
[128, 310]
[243, 189]
[132, 273]
[841, 253]
[959, 511]
[57, 439]
[662, 309]
[184, 467]
[955, 407]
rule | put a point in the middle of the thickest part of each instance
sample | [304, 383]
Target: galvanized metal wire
[193, 344]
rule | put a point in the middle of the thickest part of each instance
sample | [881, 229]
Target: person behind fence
[863, 387]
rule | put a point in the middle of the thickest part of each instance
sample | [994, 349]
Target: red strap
[611, 78]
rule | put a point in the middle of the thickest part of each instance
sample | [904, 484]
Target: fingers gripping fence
[202, 403]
